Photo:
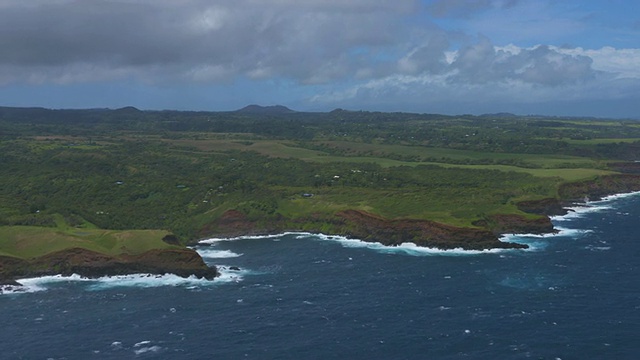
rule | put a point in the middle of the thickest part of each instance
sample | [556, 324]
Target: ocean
[572, 295]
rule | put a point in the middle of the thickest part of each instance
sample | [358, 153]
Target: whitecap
[580, 211]
[132, 280]
[530, 239]
[597, 248]
[406, 248]
[574, 233]
[231, 274]
[250, 237]
[143, 350]
[216, 254]
[616, 196]
[151, 281]
[536, 242]
[19, 289]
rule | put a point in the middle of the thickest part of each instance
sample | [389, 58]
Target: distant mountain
[257, 109]
[128, 109]
[500, 115]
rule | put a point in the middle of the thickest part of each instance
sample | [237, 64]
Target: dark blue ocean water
[575, 295]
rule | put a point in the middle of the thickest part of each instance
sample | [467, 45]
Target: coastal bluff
[533, 219]
[183, 262]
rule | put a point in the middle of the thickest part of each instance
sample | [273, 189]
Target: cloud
[482, 62]
[466, 8]
[328, 52]
[623, 63]
[429, 56]
[309, 41]
[477, 77]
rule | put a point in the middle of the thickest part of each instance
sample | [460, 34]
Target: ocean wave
[579, 210]
[216, 254]
[407, 248]
[153, 349]
[249, 237]
[615, 197]
[20, 289]
[227, 275]
[560, 232]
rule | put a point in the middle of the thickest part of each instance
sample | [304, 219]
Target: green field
[110, 184]
[31, 241]
[570, 168]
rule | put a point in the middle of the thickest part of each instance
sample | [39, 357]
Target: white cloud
[624, 63]
[369, 51]
[485, 74]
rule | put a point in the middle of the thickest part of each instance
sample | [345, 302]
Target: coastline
[571, 208]
[370, 228]
[182, 262]
[354, 225]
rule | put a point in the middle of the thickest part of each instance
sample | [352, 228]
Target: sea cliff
[352, 223]
[182, 262]
[366, 226]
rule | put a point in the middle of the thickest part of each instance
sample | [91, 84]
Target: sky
[545, 57]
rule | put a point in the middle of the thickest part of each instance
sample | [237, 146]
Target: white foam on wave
[19, 289]
[148, 281]
[153, 349]
[133, 280]
[616, 196]
[248, 237]
[216, 254]
[406, 248]
[560, 232]
[579, 210]
[230, 274]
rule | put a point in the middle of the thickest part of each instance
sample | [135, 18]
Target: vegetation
[88, 177]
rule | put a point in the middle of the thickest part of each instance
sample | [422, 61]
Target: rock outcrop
[599, 187]
[369, 227]
[548, 206]
[180, 261]
[517, 224]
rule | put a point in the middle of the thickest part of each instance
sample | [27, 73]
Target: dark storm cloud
[54, 34]
[200, 40]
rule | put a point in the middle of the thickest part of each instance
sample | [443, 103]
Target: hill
[265, 110]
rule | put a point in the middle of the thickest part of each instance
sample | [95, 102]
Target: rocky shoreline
[182, 262]
[351, 223]
[392, 232]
